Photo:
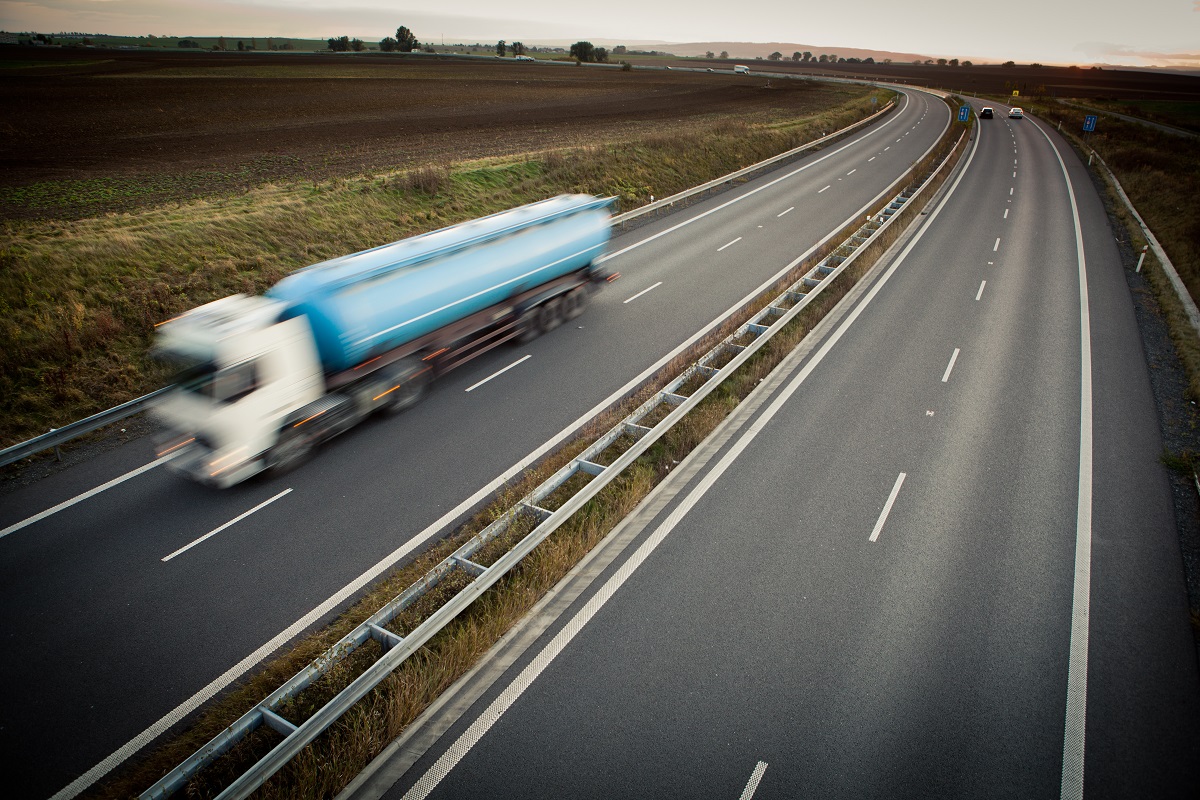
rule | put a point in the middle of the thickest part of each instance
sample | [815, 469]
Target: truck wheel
[574, 302]
[527, 325]
[292, 450]
[550, 315]
[405, 383]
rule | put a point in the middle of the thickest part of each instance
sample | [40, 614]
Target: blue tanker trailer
[264, 379]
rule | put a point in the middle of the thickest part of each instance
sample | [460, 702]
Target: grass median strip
[344, 749]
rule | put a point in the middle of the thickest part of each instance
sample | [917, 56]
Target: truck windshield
[222, 385]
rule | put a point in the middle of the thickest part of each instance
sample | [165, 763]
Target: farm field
[90, 131]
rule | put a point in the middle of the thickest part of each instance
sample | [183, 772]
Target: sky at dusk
[1150, 32]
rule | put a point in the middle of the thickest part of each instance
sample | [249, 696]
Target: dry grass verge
[327, 765]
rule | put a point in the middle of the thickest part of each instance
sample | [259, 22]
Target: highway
[132, 594]
[936, 557]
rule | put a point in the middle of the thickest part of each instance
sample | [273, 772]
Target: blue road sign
[1089, 123]
[964, 113]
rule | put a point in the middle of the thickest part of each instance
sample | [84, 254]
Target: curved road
[124, 615]
[937, 559]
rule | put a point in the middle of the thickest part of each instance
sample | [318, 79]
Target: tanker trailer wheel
[404, 383]
[527, 326]
[574, 301]
[292, 450]
[550, 315]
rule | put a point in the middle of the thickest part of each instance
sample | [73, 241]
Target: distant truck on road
[740, 69]
[263, 380]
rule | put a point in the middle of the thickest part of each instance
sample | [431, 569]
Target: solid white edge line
[91, 492]
[749, 193]
[755, 778]
[887, 507]
[979, 294]
[793, 208]
[233, 521]
[387, 562]
[1075, 731]
[735, 241]
[642, 292]
[953, 357]
[499, 372]
[476, 730]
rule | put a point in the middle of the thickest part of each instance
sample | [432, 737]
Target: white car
[1015, 113]
[523, 58]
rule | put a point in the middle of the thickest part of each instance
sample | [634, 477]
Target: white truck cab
[242, 372]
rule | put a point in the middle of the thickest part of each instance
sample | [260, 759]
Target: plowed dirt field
[87, 131]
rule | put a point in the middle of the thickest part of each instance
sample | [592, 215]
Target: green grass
[79, 298]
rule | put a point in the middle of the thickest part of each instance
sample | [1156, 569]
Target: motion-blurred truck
[262, 380]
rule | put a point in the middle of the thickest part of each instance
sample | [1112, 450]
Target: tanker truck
[262, 380]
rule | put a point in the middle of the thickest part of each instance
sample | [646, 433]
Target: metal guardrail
[709, 371]
[58, 436]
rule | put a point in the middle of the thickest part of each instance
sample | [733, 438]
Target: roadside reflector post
[1142, 257]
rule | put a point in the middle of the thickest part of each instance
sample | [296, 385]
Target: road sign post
[964, 113]
[1089, 123]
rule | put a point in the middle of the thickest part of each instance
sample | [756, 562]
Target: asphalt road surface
[131, 596]
[936, 557]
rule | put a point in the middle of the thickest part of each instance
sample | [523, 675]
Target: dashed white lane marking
[851, 172]
[953, 358]
[735, 241]
[996, 246]
[498, 373]
[979, 294]
[233, 521]
[887, 507]
[642, 292]
[822, 190]
[1006, 213]
[1010, 191]
[793, 208]
[872, 158]
[755, 778]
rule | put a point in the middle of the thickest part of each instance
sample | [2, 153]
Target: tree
[601, 55]
[868, 60]
[776, 56]
[1009, 64]
[406, 40]
[388, 45]
[724, 54]
[823, 59]
[954, 62]
[807, 56]
[501, 46]
[583, 51]
[708, 54]
[188, 43]
[518, 48]
[941, 62]
[357, 45]
[619, 50]
[241, 46]
[340, 44]
[967, 64]
[221, 43]
[796, 56]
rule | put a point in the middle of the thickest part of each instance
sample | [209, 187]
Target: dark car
[986, 113]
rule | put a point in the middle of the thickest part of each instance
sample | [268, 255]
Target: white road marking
[979, 294]
[1010, 191]
[822, 190]
[793, 208]
[158, 462]
[1006, 213]
[233, 521]
[897, 140]
[483, 723]
[755, 778]
[735, 241]
[887, 507]
[1014, 173]
[996, 246]
[1075, 732]
[848, 174]
[953, 358]
[889, 147]
[872, 158]
[642, 292]
[498, 373]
